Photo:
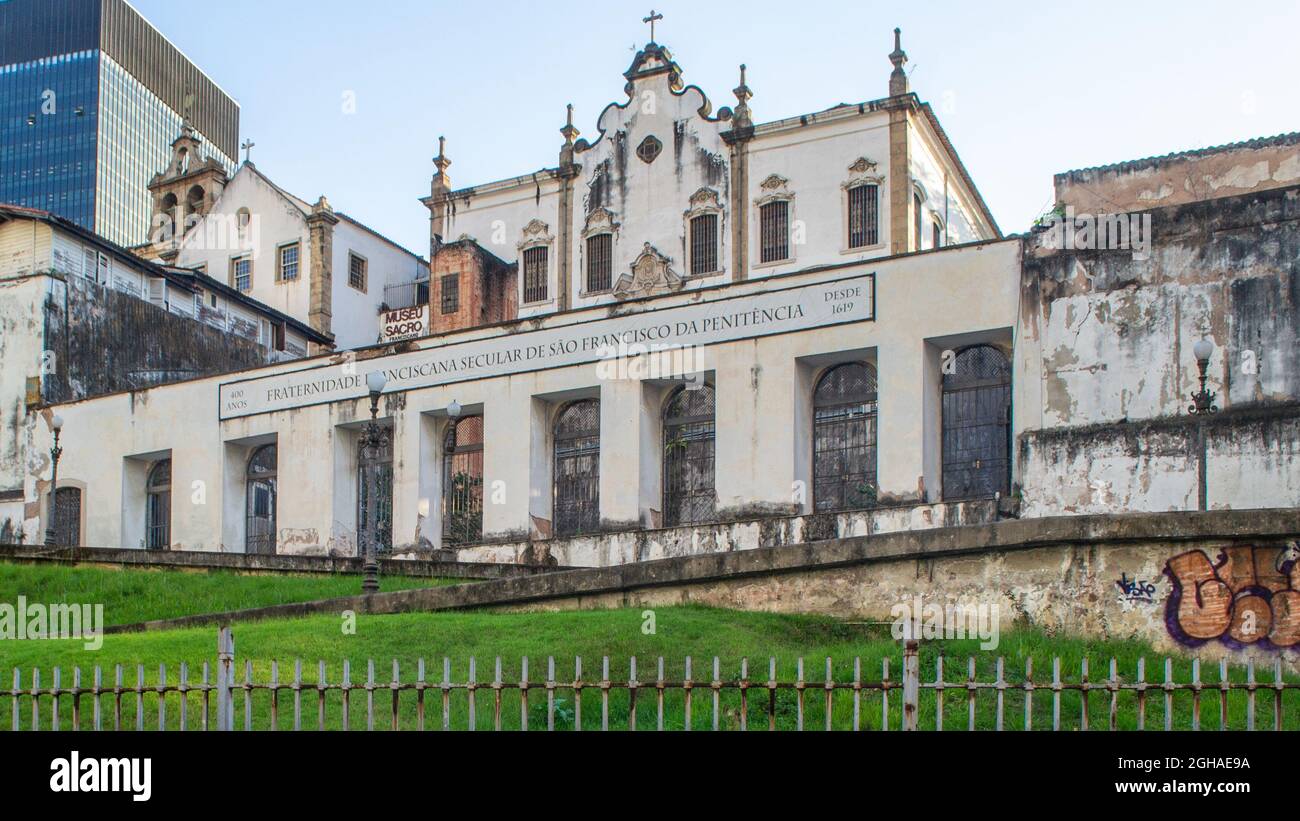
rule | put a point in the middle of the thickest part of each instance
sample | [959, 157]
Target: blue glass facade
[91, 98]
[49, 131]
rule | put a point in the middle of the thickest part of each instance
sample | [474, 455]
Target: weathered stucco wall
[1179, 178]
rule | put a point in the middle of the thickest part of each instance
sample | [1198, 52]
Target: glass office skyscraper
[91, 98]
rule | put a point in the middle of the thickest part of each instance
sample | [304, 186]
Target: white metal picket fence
[224, 697]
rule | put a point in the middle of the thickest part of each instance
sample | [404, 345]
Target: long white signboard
[705, 323]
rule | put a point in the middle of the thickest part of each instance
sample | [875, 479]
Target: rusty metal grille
[462, 482]
[375, 465]
[577, 469]
[159, 508]
[600, 262]
[449, 289]
[774, 231]
[535, 274]
[864, 216]
[67, 517]
[704, 244]
[260, 502]
[689, 440]
[977, 425]
[844, 438]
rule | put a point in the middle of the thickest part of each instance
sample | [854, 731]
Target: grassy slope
[131, 596]
[680, 631]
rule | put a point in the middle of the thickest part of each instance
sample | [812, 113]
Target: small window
[864, 216]
[600, 263]
[450, 287]
[649, 149]
[159, 507]
[535, 274]
[198, 304]
[288, 263]
[704, 244]
[277, 335]
[357, 272]
[937, 234]
[88, 265]
[774, 227]
[105, 270]
[241, 273]
[917, 208]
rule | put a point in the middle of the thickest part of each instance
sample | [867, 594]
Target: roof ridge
[1255, 142]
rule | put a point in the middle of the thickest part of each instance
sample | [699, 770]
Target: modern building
[91, 97]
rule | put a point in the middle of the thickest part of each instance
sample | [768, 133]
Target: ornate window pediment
[863, 171]
[775, 187]
[704, 201]
[651, 274]
[536, 233]
[600, 221]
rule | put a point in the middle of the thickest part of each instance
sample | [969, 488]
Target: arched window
[67, 517]
[844, 438]
[260, 503]
[689, 436]
[977, 424]
[194, 200]
[158, 529]
[462, 482]
[577, 468]
[375, 492]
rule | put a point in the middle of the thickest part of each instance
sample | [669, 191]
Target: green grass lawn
[679, 631]
[136, 595]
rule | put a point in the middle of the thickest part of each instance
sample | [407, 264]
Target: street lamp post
[1202, 405]
[55, 452]
[371, 444]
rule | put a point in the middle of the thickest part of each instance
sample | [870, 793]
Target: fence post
[225, 679]
[911, 684]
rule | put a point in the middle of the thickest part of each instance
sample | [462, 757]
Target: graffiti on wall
[1136, 591]
[1251, 596]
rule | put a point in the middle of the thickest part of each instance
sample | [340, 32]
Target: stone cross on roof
[652, 19]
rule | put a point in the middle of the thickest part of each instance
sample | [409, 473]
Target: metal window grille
[977, 424]
[600, 262]
[450, 293]
[356, 272]
[844, 438]
[535, 274]
[864, 216]
[242, 273]
[462, 482]
[289, 262]
[689, 466]
[774, 231]
[375, 491]
[260, 502]
[577, 469]
[704, 244]
[67, 517]
[159, 507]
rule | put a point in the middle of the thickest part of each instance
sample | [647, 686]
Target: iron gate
[260, 503]
[577, 469]
[67, 517]
[689, 439]
[462, 482]
[375, 490]
[844, 438]
[977, 425]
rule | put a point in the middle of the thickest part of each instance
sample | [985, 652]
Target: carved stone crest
[651, 274]
[536, 232]
[863, 165]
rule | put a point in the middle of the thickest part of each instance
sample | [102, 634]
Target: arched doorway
[577, 469]
[844, 438]
[260, 504]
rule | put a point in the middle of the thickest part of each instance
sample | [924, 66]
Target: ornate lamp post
[51, 539]
[1203, 400]
[1202, 405]
[372, 442]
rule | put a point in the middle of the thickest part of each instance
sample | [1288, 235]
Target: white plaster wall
[946, 196]
[356, 314]
[760, 433]
[816, 159]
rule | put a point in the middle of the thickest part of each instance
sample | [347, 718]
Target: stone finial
[898, 78]
[322, 206]
[441, 161]
[741, 117]
[569, 131]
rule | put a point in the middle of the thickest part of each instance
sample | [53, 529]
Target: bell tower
[183, 193]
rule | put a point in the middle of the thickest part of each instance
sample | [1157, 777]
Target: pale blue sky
[1025, 90]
